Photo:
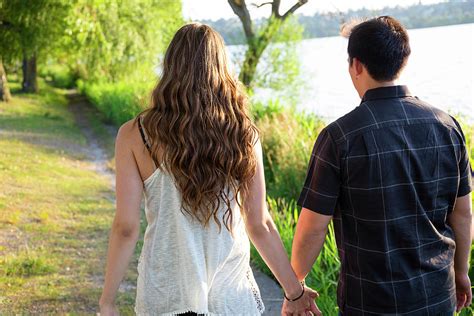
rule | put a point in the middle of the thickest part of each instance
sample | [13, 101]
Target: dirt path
[83, 111]
[99, 156]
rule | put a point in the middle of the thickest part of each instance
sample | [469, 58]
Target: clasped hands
[305, 306]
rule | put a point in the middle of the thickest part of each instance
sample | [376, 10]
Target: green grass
[323, 276]
[55, 212]
[26, 265]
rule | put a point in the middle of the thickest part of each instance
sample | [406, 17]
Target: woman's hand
[304, 306]
[108, 310]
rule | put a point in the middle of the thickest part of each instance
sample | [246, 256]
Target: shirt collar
[386, 93]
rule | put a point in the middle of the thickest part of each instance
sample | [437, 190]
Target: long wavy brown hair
[198, 120]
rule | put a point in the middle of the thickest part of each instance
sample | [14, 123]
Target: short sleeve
[465, 170]
[322, 185]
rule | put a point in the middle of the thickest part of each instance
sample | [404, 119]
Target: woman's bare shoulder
[128, 133]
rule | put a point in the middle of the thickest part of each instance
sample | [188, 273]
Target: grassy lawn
[55, 211]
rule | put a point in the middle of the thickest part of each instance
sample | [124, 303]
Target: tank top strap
[145, 139]
[143, 134]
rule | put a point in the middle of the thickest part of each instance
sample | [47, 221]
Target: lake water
[440, 71]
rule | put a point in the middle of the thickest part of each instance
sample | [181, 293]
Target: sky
[216, 9]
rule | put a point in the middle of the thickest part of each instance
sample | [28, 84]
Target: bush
[120, 101]
[59, 76]
[288, 137]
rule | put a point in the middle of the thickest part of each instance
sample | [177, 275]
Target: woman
[196, 156]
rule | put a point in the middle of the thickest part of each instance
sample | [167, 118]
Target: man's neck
[376, 84]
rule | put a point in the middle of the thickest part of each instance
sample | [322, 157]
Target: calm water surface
[440, 71]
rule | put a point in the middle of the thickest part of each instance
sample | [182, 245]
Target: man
[394, 176]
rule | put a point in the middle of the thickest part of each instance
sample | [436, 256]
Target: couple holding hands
[393, 176]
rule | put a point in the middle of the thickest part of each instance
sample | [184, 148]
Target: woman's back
[184, 263]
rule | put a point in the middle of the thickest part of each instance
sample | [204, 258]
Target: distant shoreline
[336, 35]
[409, 28]
[322, 25]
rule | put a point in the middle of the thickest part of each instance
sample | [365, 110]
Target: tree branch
[276, 8]
[261, 4]
[240, 9]
[293, 9]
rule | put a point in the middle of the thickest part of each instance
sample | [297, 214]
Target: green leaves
[97, 39]
[280, 66]
[28, 27]
[113, 38]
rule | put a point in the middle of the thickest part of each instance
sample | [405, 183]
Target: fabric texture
[185, 267]
[389, 173]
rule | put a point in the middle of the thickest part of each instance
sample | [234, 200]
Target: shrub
[120, 101]
[59, 76]
[287, 137]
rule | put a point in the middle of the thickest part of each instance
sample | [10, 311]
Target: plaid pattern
[389, 172]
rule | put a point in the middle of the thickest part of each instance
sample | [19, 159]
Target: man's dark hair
[382, 45]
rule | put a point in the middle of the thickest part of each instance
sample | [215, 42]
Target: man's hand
[463, 291]
[302, 307]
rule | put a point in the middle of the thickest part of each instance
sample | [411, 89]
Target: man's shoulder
[348, 124]
[366, 117]
[423, 109]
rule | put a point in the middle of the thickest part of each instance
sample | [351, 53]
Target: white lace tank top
[185, 267]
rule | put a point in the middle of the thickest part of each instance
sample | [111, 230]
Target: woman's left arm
[264, 235]
[126, 225]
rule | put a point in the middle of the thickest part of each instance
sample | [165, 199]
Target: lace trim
[255, 292]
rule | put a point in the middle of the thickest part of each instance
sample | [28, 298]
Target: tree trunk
[255, 49]
[4, 90]
[30, 81]
[249, 66]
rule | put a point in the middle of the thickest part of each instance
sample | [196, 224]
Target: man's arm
[309, 239]
[460, 221]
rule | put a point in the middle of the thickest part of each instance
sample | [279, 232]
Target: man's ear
[358, 66]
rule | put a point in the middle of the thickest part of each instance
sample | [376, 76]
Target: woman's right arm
[126, 225]
[265, 237]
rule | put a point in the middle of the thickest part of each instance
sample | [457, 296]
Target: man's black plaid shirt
[389, 172]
